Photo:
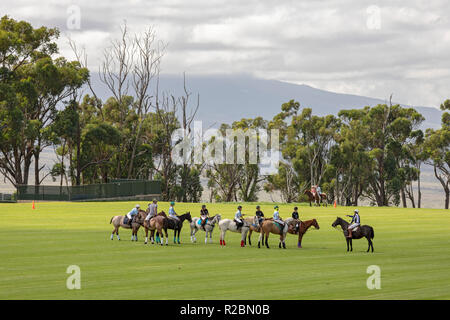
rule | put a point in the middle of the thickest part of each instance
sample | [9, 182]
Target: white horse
[209, 227]
[228, 224]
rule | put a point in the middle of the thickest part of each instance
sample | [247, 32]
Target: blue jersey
[238, 215]
[172, 211]
[276, 215]
[133, 212]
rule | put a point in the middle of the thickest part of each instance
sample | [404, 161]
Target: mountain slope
[228, 98]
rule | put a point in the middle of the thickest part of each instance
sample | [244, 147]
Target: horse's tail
[372, 233]
[111, 220]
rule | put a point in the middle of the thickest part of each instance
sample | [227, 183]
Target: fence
[116, 189]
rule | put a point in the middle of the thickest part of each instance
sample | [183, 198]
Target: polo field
[411, 249]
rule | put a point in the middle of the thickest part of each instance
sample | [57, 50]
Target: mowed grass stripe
[411, 247]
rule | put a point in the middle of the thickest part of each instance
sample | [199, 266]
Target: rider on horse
[295, 216]
[259, 214]
[355, 223]
[238, 217]
[172, 214]
[204, 215]
[277, 218]
[152, 210]
[132, 213]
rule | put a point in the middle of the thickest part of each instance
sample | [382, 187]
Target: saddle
[126, 220]
[279, 226]
[239, 225]
[199, 222]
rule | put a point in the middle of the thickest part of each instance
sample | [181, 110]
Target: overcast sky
[371, 48]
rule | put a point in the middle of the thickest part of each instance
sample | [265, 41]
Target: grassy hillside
[412, 248]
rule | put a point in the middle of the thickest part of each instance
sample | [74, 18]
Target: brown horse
[156, 223]
[270, 226]
[254, 226]
[304, 226]
[314, 197]
[138, 221]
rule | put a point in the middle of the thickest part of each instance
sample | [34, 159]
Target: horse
[156, 223]
[117, 222]
[176, 225]
[255, 226]
[270, 226]
[314, 197]
[361, 231]
[228, 224]
[304, 226]
[209, 227]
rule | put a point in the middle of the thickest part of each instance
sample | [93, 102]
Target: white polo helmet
[356, 211]
[138, 206]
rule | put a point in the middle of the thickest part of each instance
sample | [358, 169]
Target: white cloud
[323, 43]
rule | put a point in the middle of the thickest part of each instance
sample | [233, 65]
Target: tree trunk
[419, 193]
[78, 177]
[447, 196]
[403, 195]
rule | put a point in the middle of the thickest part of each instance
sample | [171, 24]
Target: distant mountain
[225, 98]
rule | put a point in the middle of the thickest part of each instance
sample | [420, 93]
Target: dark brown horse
[176, 225]
[314, 197]
[304, 226]
[362, 231]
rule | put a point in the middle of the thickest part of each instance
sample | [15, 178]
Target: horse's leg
[146, 235]
[348, 244]
[300, 236]
[351, 244]
[178, 237]
[222, 237]
[267, 238]
[281, 239]
[167, 237]
[161, 236]
[152, 236]
[117, 233]
[210, 236]
[112, 233]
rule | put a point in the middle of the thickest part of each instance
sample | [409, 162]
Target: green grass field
[412, 248]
